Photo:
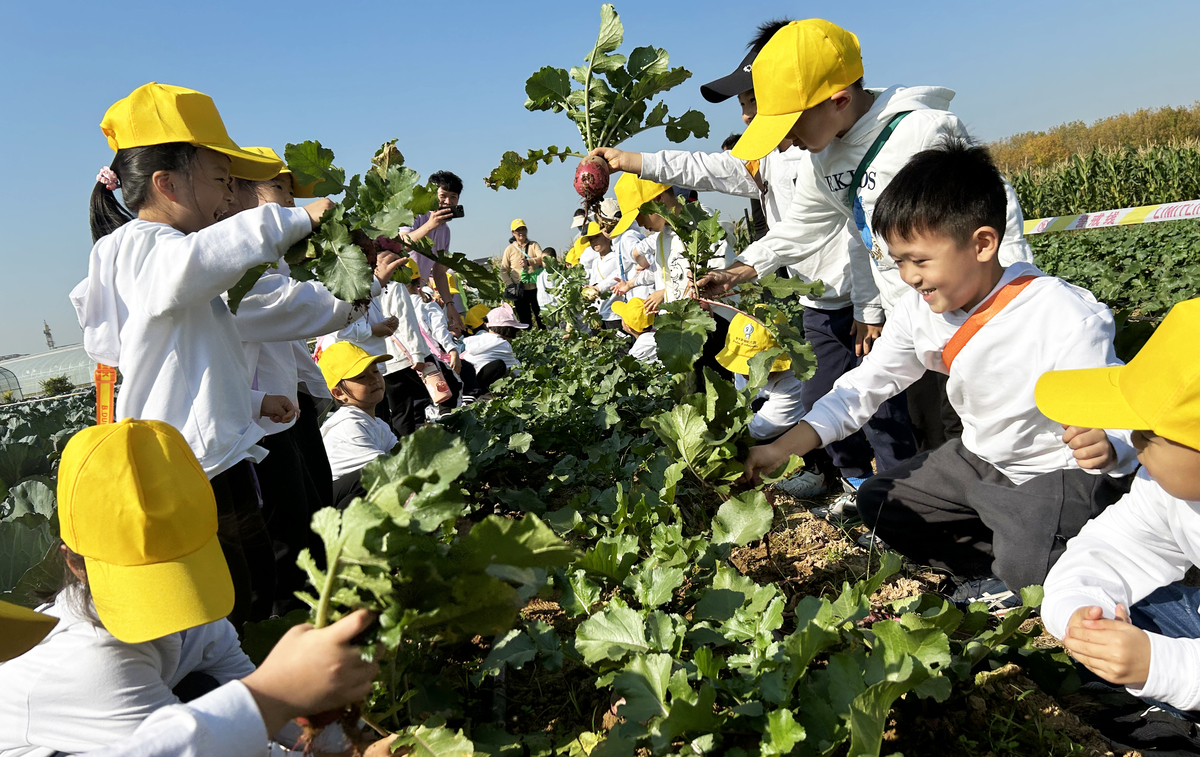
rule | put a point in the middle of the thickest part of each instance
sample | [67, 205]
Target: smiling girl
[151, 303]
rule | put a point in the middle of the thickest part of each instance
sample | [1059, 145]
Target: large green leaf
[343, 268]
[611, 634]
[422, 741]
[513, 649]
[30, 502]
[21, 548]
[783, 733]
[742, 519]
[643, 683]
[680, 332]
[549, 87]
[310, 163]
[524, 543]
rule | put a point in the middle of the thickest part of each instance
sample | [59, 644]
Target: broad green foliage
[613, 102]
[1145, 269]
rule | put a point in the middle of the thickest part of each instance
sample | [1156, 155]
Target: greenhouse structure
[10, 388]
[26, 373]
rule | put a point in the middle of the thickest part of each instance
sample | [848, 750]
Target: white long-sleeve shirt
[1050, 326]
[605, 271]
[669, 267]
[778, 171]
[782, 409]
[407, 341]
[819, 211]
[352, 439]
[434, 327]
[81, 688]
[484, 347]
[276, 315]
[1147, 540]
[151, 305]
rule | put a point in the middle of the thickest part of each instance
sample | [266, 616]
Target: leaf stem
[587, 93]
[327, 588]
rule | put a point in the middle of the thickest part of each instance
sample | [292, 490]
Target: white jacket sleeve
[439, 328]
[813, 222]
[188, 269]
[890, 367]
[225, 721]
[864, 293]
[358, 332]
[702, 171]
[280, 309]
[1121, 557]
[396, 301]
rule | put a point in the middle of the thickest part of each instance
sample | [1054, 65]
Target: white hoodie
[778, 171]
[274, 318]
[819, 211]
[151, 305]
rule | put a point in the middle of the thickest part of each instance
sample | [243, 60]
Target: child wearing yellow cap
[151, 303]
[994, 507]
[353, 436]
[1116, 597]
[639, 324]
[142, 618]
[606, 267]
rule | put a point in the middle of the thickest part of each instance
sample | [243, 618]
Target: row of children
[1053, 426]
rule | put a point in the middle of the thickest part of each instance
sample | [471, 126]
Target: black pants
[934, 420]
[308, 440]
[290, 498]
[887, 436]
[477, 381]
[406, 398]
[950, 509]
[346, 488]
[245, 542]
[527, 307]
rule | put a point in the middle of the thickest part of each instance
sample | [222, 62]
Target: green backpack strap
[865, 163]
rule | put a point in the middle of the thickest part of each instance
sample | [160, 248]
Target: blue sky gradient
[447, 80]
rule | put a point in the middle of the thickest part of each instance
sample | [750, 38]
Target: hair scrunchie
[108, 178]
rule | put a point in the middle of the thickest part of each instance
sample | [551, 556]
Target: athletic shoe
[803, 485]
[870, 541]
[990, 590]
[840, 510]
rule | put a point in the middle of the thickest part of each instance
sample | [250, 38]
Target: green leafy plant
[56, 385]
[613, 102]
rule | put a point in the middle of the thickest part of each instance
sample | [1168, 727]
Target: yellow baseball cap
[1159, 390]
[584, 241]
[802, 65]
[632, 193]
[21, 629]
[135, 503]
[746, 338]
[343, 360]
[474, 317]
[634, 314]
[156, 114]
[299, 191]
[516, 224]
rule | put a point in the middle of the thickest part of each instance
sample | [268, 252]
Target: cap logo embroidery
[749, 330]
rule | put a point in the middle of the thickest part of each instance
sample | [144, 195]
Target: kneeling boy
[1017, 485]
[1116, 598]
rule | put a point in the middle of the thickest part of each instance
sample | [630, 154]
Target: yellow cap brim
[357, 367]
[145, 602]
[1087, 397]
[301, 191]
[244, 164]
[764, 135]
[21, 629]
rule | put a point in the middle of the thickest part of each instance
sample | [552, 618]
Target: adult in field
[520, 264]
[433, 225]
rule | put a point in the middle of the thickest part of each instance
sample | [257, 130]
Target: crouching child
[996, 507]
[639, 324]
[353, 436]
[1116, 598]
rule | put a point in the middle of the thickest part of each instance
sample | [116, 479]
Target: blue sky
[447, 80]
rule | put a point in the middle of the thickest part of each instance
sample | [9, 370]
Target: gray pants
[949, 509]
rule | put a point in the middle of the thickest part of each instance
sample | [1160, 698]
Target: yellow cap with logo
[135, 503]
[746, 338]
[299, 191]
[343, 360]
[582, 243]
[1159, 390]
[157, 114]
[634, 314]
[21, 629]
[632, 193]
[474, 317]
[517, 224]
[802, 65]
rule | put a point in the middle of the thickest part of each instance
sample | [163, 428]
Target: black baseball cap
[734, 84]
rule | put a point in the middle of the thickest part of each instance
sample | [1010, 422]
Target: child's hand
[316, 209]
[386, 327]
[278, 408]
[619, 160]
[865, 335]
[622, 287]
[1091, 447]
[766, 458]
[719, 282]
[1115, 650]
[387, 263]
[311, 671]
[654, 301]
[381, 748]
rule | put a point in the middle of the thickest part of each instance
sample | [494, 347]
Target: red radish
[591, 178]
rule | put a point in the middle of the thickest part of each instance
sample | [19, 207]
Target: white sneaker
[803, 485]
[841, 509]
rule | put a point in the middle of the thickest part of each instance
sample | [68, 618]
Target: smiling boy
[995, 507]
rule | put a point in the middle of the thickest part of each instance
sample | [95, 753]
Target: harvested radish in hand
[591, 178]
